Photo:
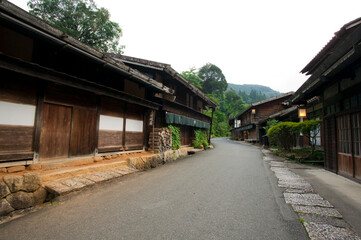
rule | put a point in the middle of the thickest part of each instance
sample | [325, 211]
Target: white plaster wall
[17, 114]
[134, 125]
[110, 123]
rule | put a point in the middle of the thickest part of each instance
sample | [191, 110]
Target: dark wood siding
[55, 132]
[186, 135]
[110, 141]
[83, 131]
[330, 144]
[16, 142]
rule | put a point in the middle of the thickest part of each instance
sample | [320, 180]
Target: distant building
[247, 125]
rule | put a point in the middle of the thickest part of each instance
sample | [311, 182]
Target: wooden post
[210, 128]
[96, 145]
[124, 125]
[38, 123]
[153, 130]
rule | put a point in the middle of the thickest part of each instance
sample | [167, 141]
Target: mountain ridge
[247, 88]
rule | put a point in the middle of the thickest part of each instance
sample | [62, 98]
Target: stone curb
[320, 219]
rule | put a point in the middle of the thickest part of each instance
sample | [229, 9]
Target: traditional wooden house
[248, 124]
[333, 93]
[60, 98]
[184, 108]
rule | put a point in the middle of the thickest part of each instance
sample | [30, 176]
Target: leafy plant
[270, 124]
[311, 129]
[282, 134]
[175, 137]
[201, 138]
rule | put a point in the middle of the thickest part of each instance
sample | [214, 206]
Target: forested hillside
[252, 93]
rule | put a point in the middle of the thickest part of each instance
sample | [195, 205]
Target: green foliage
[220, 126]
[247, 88]
[270, 124]
[81, 19]
[252, 97]
[200, 138]
[311, 129]
[214, 82]
[283, 134]
[192, 77]
[233, 104]
[175, 137]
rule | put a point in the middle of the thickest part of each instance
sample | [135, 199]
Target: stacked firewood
[162, 140]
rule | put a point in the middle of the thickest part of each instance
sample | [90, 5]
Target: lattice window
[356, 131]
[344, 134]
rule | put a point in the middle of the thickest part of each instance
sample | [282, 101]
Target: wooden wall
[186, 135]
[17, 118]
[71, 123]
[111, 124]
[267, 109]
[68, 123]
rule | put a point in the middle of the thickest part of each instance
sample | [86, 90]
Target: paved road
[225, 193]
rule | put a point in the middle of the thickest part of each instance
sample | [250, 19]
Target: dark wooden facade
[60, 98]
[335, 81]
[187, 100]
[248, 124]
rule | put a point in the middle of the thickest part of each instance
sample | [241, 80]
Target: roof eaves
[34, 23]
[273, 98]
[325, 51]
[166, 68]
[189, 85]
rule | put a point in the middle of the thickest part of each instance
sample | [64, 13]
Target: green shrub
[200, 138]
[175, 137]
[282, 134]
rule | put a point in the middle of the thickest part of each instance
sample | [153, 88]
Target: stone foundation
[20, 192]
[144, 163]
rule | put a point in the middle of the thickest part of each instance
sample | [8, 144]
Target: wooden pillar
[96, 151]
[38, 122]
[210, 128]
[124, 124]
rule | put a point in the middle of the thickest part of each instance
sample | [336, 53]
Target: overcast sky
[254, 42]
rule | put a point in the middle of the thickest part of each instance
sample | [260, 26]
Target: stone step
[67, 185]
[68, 172]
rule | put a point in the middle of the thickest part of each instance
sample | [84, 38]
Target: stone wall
[20, 192]
[147, 162]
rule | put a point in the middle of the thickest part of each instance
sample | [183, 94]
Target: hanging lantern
[302, 112]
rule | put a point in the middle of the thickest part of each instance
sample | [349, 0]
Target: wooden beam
[36, 71]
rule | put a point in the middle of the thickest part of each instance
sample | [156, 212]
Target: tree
[214, 82]
[311, 129]
[192, 77]
[233, 104]
[81, 19]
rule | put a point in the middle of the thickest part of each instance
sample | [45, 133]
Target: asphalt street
[225, 193]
